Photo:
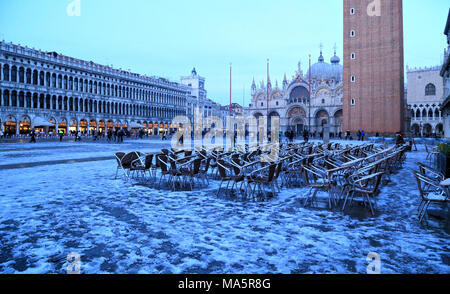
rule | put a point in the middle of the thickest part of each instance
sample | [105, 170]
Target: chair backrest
[148, 161]
[271, 174]
[173, 164]
[196, 166]
[128, 159]
[423, 183]
[221, 165]
[119, 157]
[377, 182]
[207, 165]
[163, 161]
[426, 171]
[279, 169]
[236, 163]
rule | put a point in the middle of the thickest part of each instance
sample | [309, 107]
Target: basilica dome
[337, 69]
[325, 71]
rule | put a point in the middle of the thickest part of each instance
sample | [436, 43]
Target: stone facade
[40, 87]
[445, 73]
[373, 67]
[198, 97]
[425, 97]
[290, 102]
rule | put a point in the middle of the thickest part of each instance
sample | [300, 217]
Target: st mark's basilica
[290, 102]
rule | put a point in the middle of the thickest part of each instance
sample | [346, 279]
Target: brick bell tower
[373, 96]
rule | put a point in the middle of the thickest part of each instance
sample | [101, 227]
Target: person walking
[33, 136]
[359, 135]
[363, 134]
[291, 136]
[1, 133]
[78, 138]
[306, 136]
[121, 134]
[399, 140]
[61, 135]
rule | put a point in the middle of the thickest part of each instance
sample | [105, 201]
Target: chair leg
[329, 198]
[160, 179]
[307, 197]
[220, 187]
[370, 203]
[423, 211]
[345, 201]
[272, 186]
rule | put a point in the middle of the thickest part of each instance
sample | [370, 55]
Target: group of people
[116, 136]
[289, 134]
[6, 134]
[361, 134]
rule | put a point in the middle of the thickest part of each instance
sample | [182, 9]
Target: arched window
[35, 77]
[6, 72]
[14, 74]
[28, 76]
[430, 90]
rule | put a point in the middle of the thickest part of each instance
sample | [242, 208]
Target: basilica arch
[298, 94]
[297, 119]
[338, 119]
[322, 118]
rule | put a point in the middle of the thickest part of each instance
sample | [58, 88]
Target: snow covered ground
[48, 211]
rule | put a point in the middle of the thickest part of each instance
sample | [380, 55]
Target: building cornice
[88, 66]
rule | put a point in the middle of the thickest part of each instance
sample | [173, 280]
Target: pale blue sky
[168, 38]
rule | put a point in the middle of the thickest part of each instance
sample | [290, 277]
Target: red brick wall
[378, 68]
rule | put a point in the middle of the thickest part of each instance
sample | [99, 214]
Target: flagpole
[231, 66]
[267, 88]
[243, 97]
[309, 115]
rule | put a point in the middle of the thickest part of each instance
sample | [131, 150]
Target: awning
[40, 122]
[134, 125]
